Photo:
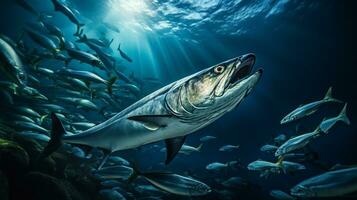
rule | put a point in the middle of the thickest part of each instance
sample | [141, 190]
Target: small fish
[327, 124]
[289, 167]
[78, 152]
[280, 195]
[266, 168]
[55, 31]
[48, 107]
[84, 57]
[29, 126]
[280, 139]
[19, 117]
[35, 136]
[89, 77]
[235, 182]
[110, 183]
[98, 42]
[79, 102]
[173, 183]
[10, 63]
[111, 194]
[308, 109]
[45, 71]
[216, 166]
[147, 189]
[207, 138]
[297, 142]
[116, 160]
[68, 12]
[330, 184]
[115, 172]
[187, 150]
[261, 165]
[124, 55]
[26, 111]
[31, 93]
[42, 40]
[268, 148]
[228, 148]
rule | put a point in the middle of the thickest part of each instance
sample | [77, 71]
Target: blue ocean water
[304, 47]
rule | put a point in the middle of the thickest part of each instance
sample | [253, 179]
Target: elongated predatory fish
[171, 112]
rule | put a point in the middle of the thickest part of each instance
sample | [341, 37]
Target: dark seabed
[303, 47]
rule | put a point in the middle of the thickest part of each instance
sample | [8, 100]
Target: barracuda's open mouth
[245, 67]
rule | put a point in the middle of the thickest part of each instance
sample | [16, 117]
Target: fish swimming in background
[115, 172]
[88, 77]
[235, 182]
[280, 139]
[228, 148]
[173, 183]
[216, 166]
[268, 148]
[84, 57]
[309, 109]
[111, 194]
[327, 124]
[207, 138]
[186, 149]
[170, 113]
[124, 55]
[10, 63]
[330, 184]
[297, 142]
[280, 195]
[85, 39]
[68, 12]
[264, 167]
[42, 40]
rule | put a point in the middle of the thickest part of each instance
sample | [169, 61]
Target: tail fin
[62, 43]
[317, 132]
[82, 38]
[328, 96]
[42, 118]
[56, 137]
[119, 47]
[280, 161]
[343, 115]
[110, 83]
[199, 147]
[111, 41]
[79, 30]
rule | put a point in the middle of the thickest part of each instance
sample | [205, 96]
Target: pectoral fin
[173, 146]
[152, 122]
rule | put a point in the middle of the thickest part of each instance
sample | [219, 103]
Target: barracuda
[171, 112]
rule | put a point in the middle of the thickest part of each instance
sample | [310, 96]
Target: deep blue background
[302, 54]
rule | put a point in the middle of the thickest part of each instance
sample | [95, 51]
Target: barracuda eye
[219, 69]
